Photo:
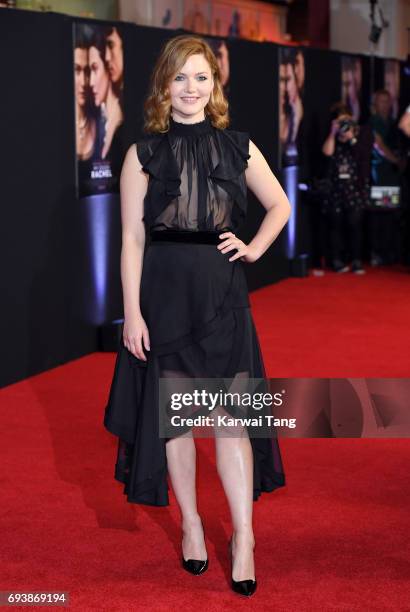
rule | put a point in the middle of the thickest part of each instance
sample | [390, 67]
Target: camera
[345, 125]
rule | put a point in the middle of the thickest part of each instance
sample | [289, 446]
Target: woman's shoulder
[146, 146]
[238, 139]
[149, 140]
[155, 155]
[235, 133]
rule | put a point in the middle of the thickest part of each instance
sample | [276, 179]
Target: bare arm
[328, 147]
[133, 187]
[263, 183]
[384, 149]
[404, 123]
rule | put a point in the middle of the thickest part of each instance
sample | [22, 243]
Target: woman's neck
[80, 114]
[191, 120]
[111, 99]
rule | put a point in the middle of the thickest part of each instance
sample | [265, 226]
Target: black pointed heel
[242, 587]
[195, 566]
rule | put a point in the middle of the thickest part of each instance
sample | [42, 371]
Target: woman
[186, 307]
[348, 148]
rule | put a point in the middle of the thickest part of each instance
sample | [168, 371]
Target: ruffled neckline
[226, 166]
[190, 129]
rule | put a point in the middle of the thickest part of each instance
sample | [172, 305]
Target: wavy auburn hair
[173, 55]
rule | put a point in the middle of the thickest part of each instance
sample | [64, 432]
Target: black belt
[190, 236]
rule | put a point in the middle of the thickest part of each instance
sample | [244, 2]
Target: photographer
[348, 148]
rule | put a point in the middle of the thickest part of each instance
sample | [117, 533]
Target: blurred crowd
[362, 197]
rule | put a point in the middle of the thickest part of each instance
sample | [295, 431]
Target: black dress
[350, 186]
[194, 301]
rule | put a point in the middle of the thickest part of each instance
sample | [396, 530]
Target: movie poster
[99, 112]
[291, 111]
[352, 85]
[220, 48]
[392, 84]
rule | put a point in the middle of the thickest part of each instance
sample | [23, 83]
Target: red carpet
[335, 538]
[336, 325]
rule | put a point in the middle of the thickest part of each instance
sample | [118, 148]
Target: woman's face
[300, 69]
[99, 77]
[191, 88]
[80, 74]
[283, 80]
[349, 134]
[291, 85]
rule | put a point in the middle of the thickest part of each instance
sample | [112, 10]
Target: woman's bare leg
[181, 459]
[234, 460]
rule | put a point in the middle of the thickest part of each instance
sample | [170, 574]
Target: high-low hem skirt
[196, 306]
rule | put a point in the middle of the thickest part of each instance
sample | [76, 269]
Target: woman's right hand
[135, 331]
[334, 128]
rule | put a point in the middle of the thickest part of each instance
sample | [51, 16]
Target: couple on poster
[98, 73]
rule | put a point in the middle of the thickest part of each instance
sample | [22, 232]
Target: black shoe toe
[195, 566]
[244, 587]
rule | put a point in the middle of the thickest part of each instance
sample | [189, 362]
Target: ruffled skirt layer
[196, 307]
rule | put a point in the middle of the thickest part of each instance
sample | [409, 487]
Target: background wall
[256, 20]
[350, 27]
[45, 240]
[100, 9]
